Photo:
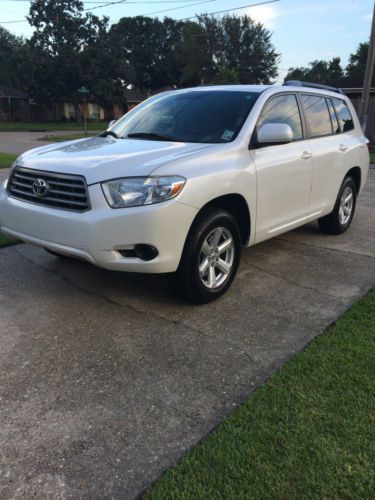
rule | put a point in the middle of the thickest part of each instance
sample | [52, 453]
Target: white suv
[183, 181]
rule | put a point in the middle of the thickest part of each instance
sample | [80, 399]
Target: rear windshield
[196, 116]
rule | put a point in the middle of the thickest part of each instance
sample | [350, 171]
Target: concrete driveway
[107, 378]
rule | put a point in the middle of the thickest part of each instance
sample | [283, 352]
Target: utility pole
[364, 102]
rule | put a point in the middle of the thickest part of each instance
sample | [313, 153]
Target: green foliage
[227, 76]
[71, 48]
[319, 71]
[14, 61]
[309, 432]
[357, 65]
[332, 73]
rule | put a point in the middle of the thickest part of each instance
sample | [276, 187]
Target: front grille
[62, 191]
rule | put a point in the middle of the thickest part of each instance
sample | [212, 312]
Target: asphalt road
[18, 142]
[106, 379]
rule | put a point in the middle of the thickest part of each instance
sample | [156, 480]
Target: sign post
[83, 91]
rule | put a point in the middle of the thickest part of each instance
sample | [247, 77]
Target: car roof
[238, 87]
[261, 88]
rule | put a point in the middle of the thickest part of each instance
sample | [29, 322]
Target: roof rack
[298, 83]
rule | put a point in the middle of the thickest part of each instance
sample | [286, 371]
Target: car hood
[103, 158]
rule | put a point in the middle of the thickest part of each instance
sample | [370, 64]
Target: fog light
[141, 251]
[145, 252]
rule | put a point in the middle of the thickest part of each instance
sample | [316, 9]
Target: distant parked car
[183, 181]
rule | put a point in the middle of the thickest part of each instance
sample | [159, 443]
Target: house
[14, 104]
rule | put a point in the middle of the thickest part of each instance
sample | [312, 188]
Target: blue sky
[302, 30]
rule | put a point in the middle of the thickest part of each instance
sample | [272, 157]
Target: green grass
[309, 432]
[372, 157]
[68, 137]
[35, 126]
[4, 241]
[6, 160]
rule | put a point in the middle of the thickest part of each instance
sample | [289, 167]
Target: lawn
[309, 432]
[6, 160]
[42, 127]
[372, 157]
[4, 241]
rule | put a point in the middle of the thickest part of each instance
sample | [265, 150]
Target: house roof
[10, 92]
[355, 90]
[133, 95]
[168, 88]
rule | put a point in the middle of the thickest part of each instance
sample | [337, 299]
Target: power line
[119, 2]
[18, 21]
[153, 1]
[174, 8]
[132, 2]
[229, 10]
[105, 5]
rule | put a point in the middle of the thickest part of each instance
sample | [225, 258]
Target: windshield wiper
[109, 132]
[152, 136]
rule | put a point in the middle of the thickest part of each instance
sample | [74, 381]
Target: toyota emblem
[40, 187]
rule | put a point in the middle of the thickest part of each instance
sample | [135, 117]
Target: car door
[329, 147]
[284, 171]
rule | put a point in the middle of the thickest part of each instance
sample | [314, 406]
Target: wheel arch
[237, 205]
[356, 174]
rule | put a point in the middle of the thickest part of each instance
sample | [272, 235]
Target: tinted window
[283, 109]
[343, 114]
[335, 123]
[198, 116]
[317, 115]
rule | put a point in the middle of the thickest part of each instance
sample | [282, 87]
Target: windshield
[195, 116]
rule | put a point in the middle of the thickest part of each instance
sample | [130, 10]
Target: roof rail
[298, 83]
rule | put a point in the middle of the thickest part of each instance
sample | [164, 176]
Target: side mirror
[275, 133]
[111, 123]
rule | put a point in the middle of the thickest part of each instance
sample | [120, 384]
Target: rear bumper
[98, 234]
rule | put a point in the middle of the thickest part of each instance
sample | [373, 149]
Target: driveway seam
[326, 248]
[294, 283]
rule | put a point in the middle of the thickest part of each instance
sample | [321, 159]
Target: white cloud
[265, 14]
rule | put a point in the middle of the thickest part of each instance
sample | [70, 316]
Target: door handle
[342, 147]
[306, 155]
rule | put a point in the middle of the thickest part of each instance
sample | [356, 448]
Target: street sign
[83, 90]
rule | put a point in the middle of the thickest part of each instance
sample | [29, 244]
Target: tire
[339, 220]
[203, 274]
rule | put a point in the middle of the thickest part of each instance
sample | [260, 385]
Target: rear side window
[335, 123]
[283, 109]
[317, 115]
[343, 115]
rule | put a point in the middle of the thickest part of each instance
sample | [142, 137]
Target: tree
[70, 49]
[14, 60]
[227, 76]
[355, 70]
[319, 71]
[246, 47]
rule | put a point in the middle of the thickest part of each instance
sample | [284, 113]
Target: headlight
[137, 191]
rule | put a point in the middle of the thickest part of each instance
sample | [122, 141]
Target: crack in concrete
[126, 305]
[294, 283]
[326, 248]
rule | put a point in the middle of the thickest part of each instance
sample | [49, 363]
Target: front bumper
[98, 234]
